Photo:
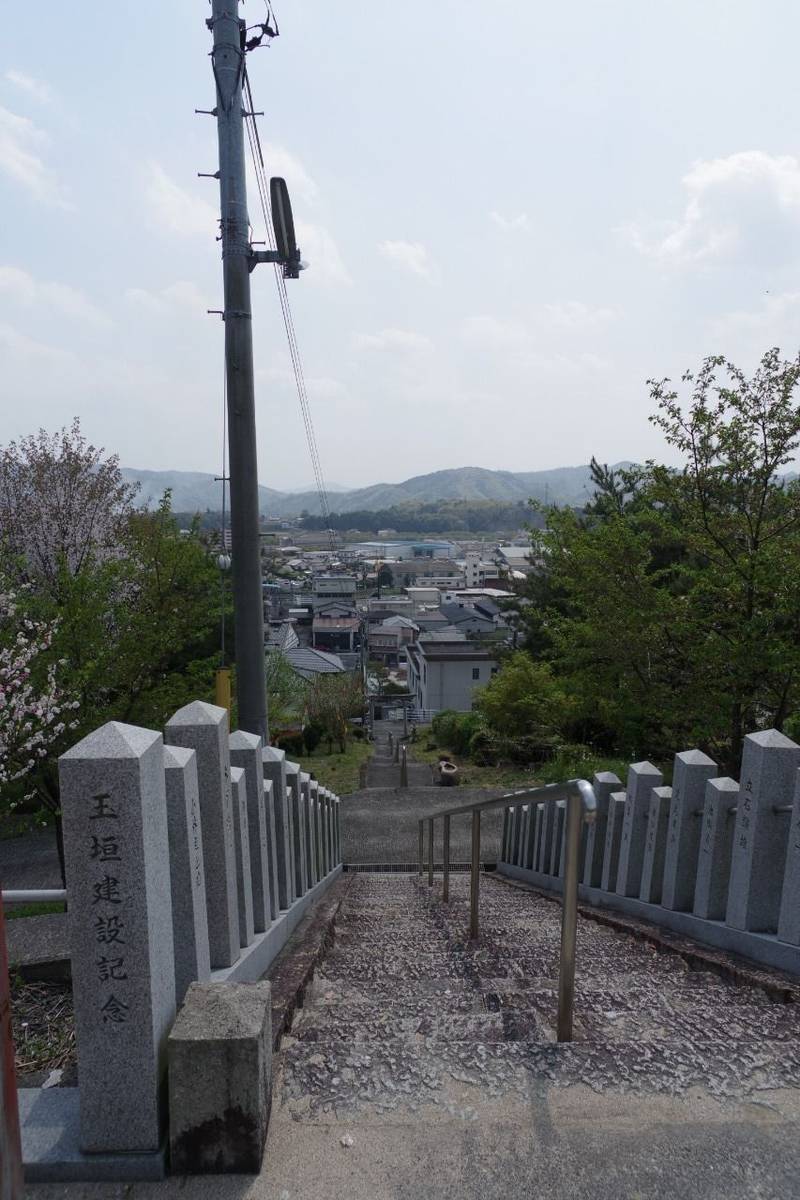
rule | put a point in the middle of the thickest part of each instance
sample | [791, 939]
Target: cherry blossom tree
[62, 503]
[34, 710]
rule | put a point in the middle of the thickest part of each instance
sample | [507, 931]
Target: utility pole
[227, 59]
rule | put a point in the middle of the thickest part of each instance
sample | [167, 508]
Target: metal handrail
[581, 807]
[32, 895]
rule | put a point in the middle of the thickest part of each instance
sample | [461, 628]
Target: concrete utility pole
[227, 58]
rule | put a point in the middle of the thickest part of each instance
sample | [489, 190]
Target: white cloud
[411, 257]
[25, 291]
[280, 161]
[20, 158]
[494, 333]
[26, 349]
[518, 224]
[320, 251]
[745, 335]
[393, 339]
[574, 314]
[745, 203]
[174, 209]
[32, 87]
[180, 295]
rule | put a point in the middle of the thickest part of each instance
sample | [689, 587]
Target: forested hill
[194, 491]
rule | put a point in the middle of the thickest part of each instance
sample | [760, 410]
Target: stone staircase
[423, 1065]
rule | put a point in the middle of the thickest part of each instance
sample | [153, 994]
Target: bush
[455, 730]
[312, 736]
[292, 743]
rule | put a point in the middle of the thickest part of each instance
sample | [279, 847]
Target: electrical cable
[262, 184]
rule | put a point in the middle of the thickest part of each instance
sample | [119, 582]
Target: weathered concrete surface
[220, 1063]
[421, 1066]
[379, 825]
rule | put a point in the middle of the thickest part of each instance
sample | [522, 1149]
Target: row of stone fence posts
[710, 857]
[189, 857]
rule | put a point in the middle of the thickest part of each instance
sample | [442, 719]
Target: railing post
[446, 858]
[569, 918]
[421, 847]
[430, 852]
[475, 876]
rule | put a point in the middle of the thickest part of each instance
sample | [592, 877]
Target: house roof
[326, 623]
[448, 634]
[396, 620]
[308, 662]
[455, 651]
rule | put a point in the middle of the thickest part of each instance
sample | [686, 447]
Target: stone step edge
[778, 985]
[293, 969]
[433, 1042]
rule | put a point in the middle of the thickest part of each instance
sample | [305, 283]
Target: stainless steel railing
[581, 807]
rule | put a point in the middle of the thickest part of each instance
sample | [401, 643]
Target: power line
[259, 168]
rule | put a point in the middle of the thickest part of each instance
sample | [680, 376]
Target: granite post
[789, 916]
[769, 769]
[300, 873]
[311, 828]
[604, 783]
[642, 778]
[311, 854]
[716, 849]
[116, 851]
[559, 811]
[204, 728]
[537, 835]
[655, 846]
[245, 751]
[508, 825]
[244, 873]
[274, 762]
[186, 870]
[691, 772]
[546, 838]
[516, 833]
[614, 822]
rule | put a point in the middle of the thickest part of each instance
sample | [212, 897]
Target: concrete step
[408, 1073]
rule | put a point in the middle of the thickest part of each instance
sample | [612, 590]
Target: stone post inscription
[116, 849]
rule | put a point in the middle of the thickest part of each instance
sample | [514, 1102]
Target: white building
[445, 674]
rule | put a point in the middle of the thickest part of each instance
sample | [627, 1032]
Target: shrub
[312, 736]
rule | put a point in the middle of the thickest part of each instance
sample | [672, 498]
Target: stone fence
[716, 860]
[189, 857]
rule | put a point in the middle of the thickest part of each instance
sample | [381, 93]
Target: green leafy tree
[332, 700]
[672, 606]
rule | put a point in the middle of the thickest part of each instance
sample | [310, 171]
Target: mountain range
[196, 491]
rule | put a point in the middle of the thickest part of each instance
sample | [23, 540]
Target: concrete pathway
[425, 1067]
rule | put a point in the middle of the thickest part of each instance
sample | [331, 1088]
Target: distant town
[423, 618]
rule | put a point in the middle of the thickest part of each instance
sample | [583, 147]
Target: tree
[61, 504]
[332, 700]
[672, 606]
[34, 709]
[286, 693]
[524, 699]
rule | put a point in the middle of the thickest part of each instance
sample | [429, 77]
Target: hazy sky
[514, 214]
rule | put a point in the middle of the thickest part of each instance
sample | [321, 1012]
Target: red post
[10, 1147]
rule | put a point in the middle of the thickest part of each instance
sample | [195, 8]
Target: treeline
[439, 516]
[668, 615]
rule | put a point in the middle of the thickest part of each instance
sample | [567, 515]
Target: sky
[514, 214]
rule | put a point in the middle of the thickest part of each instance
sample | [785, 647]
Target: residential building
[329, 588]
[311, 663]
[443, 674]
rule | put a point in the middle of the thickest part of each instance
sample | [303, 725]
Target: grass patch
[571, 762]
[34, 910]
[339, 772]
